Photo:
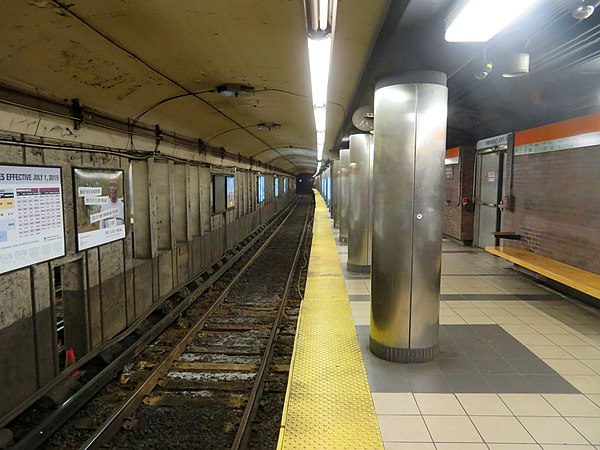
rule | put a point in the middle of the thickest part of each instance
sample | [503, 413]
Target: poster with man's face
[100, 207]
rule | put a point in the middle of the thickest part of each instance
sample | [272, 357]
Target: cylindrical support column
[344, 194]
[359, 211]
[335, 190]
[408, 171]
[328, 184]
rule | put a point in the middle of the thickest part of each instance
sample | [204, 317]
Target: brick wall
[557, 206]
[458, 220]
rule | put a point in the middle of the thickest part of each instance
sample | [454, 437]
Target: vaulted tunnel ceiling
[160, 63]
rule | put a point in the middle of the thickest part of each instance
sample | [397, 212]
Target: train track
[199, 384]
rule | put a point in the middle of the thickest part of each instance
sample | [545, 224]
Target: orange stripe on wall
[558, 130]
[452, 152]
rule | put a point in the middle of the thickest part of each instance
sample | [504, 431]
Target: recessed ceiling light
[479, 20]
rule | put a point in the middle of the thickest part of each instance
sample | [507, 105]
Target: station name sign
[496, 141]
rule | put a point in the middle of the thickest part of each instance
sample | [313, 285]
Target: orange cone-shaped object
[70, 360]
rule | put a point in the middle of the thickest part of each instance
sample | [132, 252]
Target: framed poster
[230, 191]
[223, 187]
[276, 187]
[261, 189]
[99, 206]
[31, 216]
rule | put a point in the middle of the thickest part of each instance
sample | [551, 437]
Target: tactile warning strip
[328, 402]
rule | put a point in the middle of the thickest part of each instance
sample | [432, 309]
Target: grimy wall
[173, 234]
[556, 189]
[458, 183]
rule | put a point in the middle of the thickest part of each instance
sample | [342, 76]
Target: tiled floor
[519, 367]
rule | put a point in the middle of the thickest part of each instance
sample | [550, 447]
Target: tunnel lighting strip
[320, 21]
[480, 20]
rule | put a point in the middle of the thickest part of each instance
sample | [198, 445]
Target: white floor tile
[552, 430]
[514, 447]
[408, 446]
[452, 429]
[587, 384]
[395, 403]
[403, 428]
[439, 404]
[483, 405]
[573, 405]
[528, 405]
[502, 430]
[569, 367]
[589, 427]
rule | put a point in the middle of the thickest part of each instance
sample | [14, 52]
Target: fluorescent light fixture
[479, 20]
[323, 14]
[320, 118]
[319, 55]
[320, 138]
[320, 152]
[319, 13]
[320, 27]
[318, 167]
[314, 15]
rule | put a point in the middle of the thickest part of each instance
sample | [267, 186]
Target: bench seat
[579, 279]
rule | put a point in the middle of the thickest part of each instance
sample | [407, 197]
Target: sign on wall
[261, 189]
[31, 216]
[99, 206]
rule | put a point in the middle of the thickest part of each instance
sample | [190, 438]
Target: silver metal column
[344, 194]
[335, 191]
[408, 173]
[359, 211]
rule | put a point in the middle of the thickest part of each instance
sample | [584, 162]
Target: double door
[488, 193]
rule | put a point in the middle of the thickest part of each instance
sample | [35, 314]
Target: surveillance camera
[485, 71]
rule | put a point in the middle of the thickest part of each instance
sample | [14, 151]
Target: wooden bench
[507, 235]
[581, 280]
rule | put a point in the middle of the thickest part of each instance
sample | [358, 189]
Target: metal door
[487, 197]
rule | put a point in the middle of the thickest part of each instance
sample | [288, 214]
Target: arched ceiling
[160, 62]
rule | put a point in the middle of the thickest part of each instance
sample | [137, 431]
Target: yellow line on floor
[328, 401]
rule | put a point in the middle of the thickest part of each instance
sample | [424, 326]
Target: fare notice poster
[31, 216]
[100, 210]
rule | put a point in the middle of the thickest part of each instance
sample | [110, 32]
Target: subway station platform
[519, 364]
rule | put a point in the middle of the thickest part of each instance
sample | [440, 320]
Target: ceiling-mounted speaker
[363, 118]
[583, 10]
[518, 66]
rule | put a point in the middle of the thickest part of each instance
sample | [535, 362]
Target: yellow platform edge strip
[328, 403]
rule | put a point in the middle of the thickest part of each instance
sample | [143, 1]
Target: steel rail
[38, 435]
[113, 423]
[243, 433]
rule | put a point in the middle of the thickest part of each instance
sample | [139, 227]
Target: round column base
[403, 355]
[357, 268]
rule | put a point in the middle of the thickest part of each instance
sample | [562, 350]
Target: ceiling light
[318, 167]
[235, 90]
[479, 20]
[320, 118]
[320, 17]
[584, 10]
[269, 126]
[320, 138]
[319, 55]
[320, 21]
